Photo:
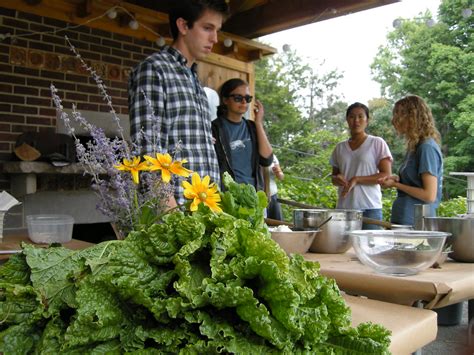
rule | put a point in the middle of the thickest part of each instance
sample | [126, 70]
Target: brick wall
[29, 64]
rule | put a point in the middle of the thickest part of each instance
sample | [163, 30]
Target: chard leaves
[194, 283]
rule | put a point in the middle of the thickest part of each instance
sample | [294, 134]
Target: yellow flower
[202, 192]
[164, 163]
[134, 166]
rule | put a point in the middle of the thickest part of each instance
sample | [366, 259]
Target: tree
[277, 82]
[300, 109]
[436, 63]
[380, 124]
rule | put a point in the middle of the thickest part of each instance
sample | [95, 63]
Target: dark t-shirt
[241, 151]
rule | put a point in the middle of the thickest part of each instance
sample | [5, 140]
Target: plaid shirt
[176, 119]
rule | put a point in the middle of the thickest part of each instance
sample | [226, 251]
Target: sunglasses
[240, 98]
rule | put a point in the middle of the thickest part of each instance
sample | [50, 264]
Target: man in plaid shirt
[168, 107]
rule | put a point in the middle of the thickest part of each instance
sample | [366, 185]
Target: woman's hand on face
[259, 112]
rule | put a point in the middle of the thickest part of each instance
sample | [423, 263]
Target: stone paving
[452, 340]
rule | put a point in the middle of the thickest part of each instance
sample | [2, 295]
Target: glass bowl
[398, 252]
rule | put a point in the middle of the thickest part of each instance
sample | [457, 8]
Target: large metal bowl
[294, 242]
[462, 231]
[398, 252]
[333, 238]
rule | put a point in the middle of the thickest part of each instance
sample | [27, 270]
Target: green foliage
[453, 207]
[436, 63]
[306, 120]
[297, 100]
[277, 90]
[388, 197]
[195, 283]
[380, 125]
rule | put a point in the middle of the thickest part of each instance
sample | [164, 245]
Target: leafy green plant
[452, 207]
[196, 283]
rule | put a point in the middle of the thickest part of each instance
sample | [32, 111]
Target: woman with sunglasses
[241, 145]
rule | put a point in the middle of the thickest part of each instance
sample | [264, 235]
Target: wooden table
[412, 328]
[13, 243]
[452, 283]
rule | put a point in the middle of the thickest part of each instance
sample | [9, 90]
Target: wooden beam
[255, 55]
[84, 9]
[66, 10]
[280, 15]
[33, 2]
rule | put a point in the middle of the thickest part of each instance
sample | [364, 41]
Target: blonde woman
[420, 177]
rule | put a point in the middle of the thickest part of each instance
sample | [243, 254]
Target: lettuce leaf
[194, 283]
[15, 270]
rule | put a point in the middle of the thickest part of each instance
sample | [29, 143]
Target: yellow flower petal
[195, 180]
[200, 192]
[167, 166]
[133, 166]
[135, 176]
[165, 175]
[195, 204]
[177, 169]
[164, 159]
[206, 180]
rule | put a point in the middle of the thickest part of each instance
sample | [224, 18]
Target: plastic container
[50, 228]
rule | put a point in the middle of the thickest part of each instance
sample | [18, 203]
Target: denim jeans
[374, 213]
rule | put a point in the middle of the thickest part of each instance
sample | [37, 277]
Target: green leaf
[15, 270]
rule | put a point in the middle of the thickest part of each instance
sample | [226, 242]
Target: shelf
[37, 167]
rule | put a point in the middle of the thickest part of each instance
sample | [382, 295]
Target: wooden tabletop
[450, 284]
[412, 328]
[12, 244]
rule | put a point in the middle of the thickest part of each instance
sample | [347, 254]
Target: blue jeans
[374, 213]
[274, 209]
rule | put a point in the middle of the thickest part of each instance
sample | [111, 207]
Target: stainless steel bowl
[294, 242]
[462, 231]
[333, 238]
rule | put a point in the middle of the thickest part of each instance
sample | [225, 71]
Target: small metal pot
[462, 239]
[333, 237]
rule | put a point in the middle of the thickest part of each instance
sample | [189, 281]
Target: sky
[349, 43]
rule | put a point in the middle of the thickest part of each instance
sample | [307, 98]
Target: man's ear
[182, 25]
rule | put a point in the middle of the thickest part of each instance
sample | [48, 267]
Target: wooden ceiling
[256, 18]
[249, 19]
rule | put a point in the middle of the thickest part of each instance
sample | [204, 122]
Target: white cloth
[213, 99]
[363, 161]
[273, 184]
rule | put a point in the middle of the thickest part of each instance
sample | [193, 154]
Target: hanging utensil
[276, 222]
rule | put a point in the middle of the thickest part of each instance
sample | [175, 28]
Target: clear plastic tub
[50, 228]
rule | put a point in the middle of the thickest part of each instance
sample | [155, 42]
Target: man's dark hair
[192, 10]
